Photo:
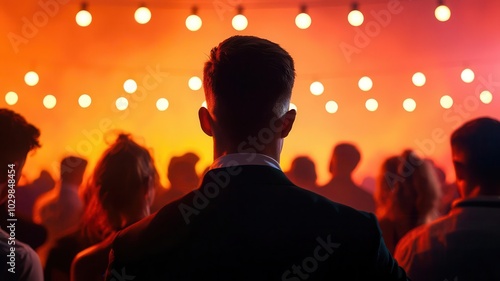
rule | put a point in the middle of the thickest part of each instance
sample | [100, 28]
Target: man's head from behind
[476, 157]
[248, 81]
[18, 137]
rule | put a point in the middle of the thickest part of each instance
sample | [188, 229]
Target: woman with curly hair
[122, 190]
[407, 195]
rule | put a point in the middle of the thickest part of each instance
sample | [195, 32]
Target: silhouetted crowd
[244, 218]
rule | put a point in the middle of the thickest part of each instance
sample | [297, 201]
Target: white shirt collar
[242, 159]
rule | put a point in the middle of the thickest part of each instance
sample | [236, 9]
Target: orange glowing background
[96, 60]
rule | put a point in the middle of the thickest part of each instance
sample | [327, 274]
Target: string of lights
[303, 20]
[316, 88]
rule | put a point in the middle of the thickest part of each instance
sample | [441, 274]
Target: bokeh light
[355, 18]
[83, 18]
[486, 97]
[130, 86]
[442, 13]
[418, 79]
[204, 104]
[409, 104]
[84, 101]
[121, 103]
[317, 88]
[303, 21]
[292, 106]
[49, 101]
[195, 83]
[162, 104]
[467, 75]
[193, 22]
[142, 15]
[371, 104]
[446, 102]
[11, 98]
[331, 106]
[365, 83]
[31, 78]
[240, 22]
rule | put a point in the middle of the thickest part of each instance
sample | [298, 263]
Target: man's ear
[205, 121]
[288, 120]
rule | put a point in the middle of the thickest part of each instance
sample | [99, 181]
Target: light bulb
[162, 104]
[418, 79]
[49, 101]
[31, 78]
[442, 12]
[331, 107]
[303, 20]
[365, 83]
[317, 88]
[446, 101]
[142, 15]
[83, 17]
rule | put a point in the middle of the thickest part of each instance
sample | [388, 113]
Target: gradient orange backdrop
[96, 60]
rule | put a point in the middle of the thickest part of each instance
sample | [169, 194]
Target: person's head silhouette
[476, 157]
[248, 83]
[345, 158]
[18, 137]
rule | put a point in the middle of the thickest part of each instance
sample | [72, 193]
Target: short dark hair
[246, 75]
[479, 140]
[18, 138]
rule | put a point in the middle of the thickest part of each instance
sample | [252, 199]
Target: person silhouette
[303, 173]
[464, 244]
[247, 220]
[18, 261]
[341, 188]
[181, 174]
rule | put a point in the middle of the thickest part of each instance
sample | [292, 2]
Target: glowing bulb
[355, 18]
[331, 107]
[365, 83]
[240, 22]
[142, 15]
[130, 86]
[442, 13]
[121, 103]
[83, 17]
[446, 101]
[204, 104]
[409, 105]
[193, 22]
[194, 83]
[418, 79]
[84, 101]
[162, 104]
[303, 20]
[317, 88]
[11, 98]
[292, 106]
[486, 97]
[371, 104]
[467, 75]
[49, 101]
[31, 78]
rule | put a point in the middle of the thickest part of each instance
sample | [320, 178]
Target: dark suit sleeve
[117, 271]
[386, 267]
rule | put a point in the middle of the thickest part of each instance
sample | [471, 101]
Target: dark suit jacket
[252, 223]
